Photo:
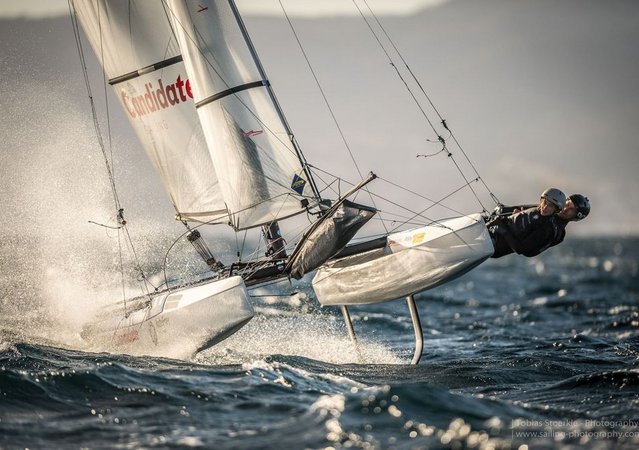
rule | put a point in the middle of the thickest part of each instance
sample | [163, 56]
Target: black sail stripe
[230, 91]
[145, 70]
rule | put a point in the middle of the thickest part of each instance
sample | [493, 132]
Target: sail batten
[148, 69]
[230, 91]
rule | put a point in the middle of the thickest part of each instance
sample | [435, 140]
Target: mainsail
[140, 56]
[186, 78]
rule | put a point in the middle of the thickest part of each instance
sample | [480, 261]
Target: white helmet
[554, 196]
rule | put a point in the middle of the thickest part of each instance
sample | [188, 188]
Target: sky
[541, 93]
[297, 8]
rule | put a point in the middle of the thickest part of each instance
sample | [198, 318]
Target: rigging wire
[420, 213]
[108, 162]
[423, 91]
[106, 98]
[387, 200]
[443, 121]
[96, 124]
[396, 69]
[110, 166]
[415, 214]
[323, 94]
[434, 202]
[325, 98]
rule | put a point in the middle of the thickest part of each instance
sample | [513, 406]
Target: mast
[271, 94]
[272, 231]
[261, 178]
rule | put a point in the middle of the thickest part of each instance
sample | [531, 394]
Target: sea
[520, 353]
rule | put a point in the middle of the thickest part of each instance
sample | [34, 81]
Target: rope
[325, 98]
[96, 124]
[107, 162]
[328, 105]
[396, 70]
[443, 121]
[103, 225]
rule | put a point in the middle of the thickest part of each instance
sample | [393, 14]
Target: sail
[260, 175]
[140, 56]
[331, 235]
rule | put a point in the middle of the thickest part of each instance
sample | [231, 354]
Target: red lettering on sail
[156, 97]
[125, 102]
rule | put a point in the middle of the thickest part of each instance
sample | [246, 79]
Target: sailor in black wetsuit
[576, 208]
[529, 231]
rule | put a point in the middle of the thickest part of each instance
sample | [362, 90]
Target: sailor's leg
[417, 328]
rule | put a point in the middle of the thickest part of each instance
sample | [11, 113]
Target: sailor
[576, 208]
[529, 231]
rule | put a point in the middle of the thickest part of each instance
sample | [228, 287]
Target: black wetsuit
[527, 233]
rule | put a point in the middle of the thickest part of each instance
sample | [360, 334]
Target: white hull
[411, 262]
[176, 324]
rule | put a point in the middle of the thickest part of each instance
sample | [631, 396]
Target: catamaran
[190, 81]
